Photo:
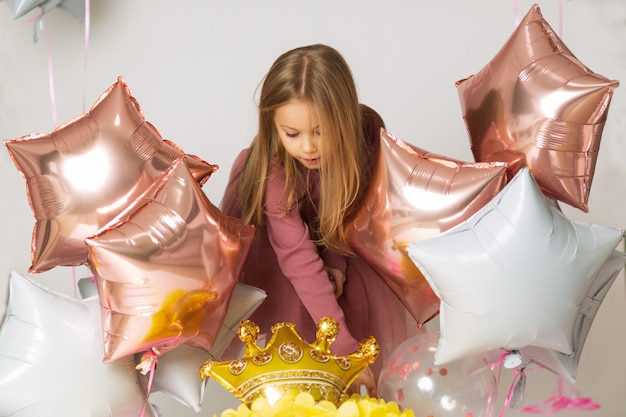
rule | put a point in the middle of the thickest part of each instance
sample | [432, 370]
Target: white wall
[194, 67]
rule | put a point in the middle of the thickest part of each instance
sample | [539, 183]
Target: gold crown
[287, 363]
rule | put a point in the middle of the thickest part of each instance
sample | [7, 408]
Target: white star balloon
[51, 359]
[559, 363]
[76, 8]
[513, 275]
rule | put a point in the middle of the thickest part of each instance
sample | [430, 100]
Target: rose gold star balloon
[166, 268]
[536, 105]
[87, 171]
[414, 195]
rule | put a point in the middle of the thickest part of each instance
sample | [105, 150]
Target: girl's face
[298, 127]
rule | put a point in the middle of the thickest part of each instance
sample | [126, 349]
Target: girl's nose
[310, 143]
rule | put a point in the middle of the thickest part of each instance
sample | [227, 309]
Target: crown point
[248, 333]
[369, 349]
[205, 370]
[327, 330]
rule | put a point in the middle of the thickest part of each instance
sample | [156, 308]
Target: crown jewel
[287, 363]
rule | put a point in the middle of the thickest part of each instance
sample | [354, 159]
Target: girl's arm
[335, 265]
[301, 263]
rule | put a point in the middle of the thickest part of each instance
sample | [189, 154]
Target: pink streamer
[516, 18]
[51, 76]
[509, 394]
[560, 18]
[85, 52]
[499, 360]
[498, 363]
[50, 68]
[559, 402]
[75, 282]
[151, 357]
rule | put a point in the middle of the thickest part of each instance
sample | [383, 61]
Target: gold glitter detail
[262, 358]
[319, 356]
[290, 352]
[343, 362]
[238, 366]
[318, 383]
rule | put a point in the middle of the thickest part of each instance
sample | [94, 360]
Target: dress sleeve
[300, 261]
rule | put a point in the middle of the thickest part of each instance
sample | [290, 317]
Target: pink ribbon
[517, 375]
[558, 402]
[85, 51]
[51, 76]
[147, 364]
[499, 362]
[509, 394]
[50, 63]
[44, 18]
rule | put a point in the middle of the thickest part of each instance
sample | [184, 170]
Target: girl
[300, 184]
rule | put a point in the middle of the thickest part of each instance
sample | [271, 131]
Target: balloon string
[558, 402]
[75, 282]
[50, 65]
[519, 374]
[147, 364]
[499, 360]
[495, 364]
[85, 52]
[560, 18]
[51, 74]
[509, 394]
[515, 13]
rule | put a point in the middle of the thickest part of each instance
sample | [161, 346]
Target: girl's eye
[318, 133]
[291, 135]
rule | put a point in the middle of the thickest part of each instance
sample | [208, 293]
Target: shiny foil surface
[415, 195]
[88, 170]
[536, 105]
[166, 268]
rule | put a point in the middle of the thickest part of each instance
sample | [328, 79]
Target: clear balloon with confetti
[466, 387]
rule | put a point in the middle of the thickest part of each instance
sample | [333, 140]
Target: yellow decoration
[181, 314]
[412, 273]
[288, 365]
[301, 404]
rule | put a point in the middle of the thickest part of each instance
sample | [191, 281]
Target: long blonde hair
[320, 75]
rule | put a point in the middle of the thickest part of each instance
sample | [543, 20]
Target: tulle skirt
[370, 307]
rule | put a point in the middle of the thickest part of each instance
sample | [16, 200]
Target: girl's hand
[337, 278]
[365, 378]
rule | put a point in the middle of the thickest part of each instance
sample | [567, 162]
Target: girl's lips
[310, 162]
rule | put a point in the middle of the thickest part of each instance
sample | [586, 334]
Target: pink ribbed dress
[289, 267]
